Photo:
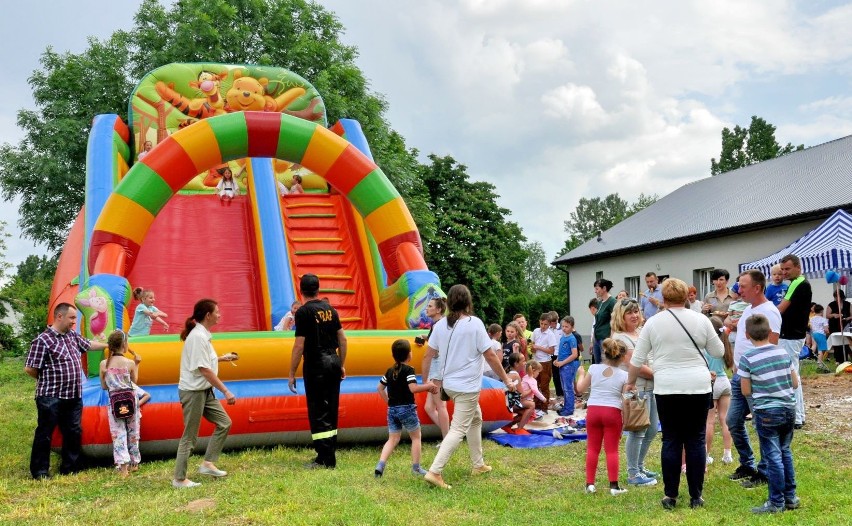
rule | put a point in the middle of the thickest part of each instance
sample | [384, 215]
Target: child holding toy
[397, 387]
[146, 313]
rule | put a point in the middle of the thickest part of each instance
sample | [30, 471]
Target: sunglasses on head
[627, 301]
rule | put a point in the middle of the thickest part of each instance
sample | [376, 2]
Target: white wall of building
[681, 261]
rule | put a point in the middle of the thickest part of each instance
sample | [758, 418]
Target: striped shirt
[769, 368]
[57, 358]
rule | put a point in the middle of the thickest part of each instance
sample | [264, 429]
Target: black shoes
[743, 472]
[668, 503]
[754, 481]
[696, 503]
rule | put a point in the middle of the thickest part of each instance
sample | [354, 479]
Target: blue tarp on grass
[536, 439]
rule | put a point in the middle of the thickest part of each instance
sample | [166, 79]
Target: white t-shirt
[743, 344]
[197, 352]
[678, 366]
[460, 353]
[544, 339]
[606, 391]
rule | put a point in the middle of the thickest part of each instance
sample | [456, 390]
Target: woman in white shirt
[461, 342]
[199, 369]
[682, 389]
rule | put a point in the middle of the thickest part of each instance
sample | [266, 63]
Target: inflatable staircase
[322, 240]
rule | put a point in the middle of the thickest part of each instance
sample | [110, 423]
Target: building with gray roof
[716, 222]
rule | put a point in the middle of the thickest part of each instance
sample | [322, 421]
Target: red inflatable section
[198, 248]
[323, 240]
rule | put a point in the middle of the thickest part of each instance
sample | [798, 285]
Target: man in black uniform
[320, 338]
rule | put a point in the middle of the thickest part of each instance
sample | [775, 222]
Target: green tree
[4, 265]
[47, 168]
[29, 293]
[537, 272]
[595, 215]
[745, 146]
[473, 242]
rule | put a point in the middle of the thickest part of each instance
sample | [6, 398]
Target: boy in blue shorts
[397, 388]
[767, 374]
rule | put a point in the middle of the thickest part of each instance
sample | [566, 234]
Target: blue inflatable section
[281, 289]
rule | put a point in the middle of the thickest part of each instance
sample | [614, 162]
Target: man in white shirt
[752, 285]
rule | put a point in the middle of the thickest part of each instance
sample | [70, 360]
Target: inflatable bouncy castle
[152, 218]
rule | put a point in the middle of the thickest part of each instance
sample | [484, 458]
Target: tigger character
[201, 108]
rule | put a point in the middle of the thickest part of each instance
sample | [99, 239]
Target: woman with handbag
[626, 325]
[676, 338]
[118, 375]
[461, 343]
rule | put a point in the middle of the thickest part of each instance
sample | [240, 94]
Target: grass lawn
[269, 486]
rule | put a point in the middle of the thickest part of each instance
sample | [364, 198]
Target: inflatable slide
[152, 218]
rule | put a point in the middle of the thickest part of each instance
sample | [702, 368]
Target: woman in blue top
[146, 313]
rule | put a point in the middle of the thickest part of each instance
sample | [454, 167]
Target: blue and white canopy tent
[827, 247]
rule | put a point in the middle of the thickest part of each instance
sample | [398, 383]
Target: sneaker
[590, 488]
[668, 503]
[378, 473]
[727, 459]
[709, 460]
[648, 473]
[742, 472]
[213, 472]
[767, 507]
[185, 484]
[640, 480]
[799, 426]
[792, 504]
[617, 491]
[539, 414]
[754, 481]
[696, 503]
[419, 471]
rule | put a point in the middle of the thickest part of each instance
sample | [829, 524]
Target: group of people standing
[659, 347]
[677, 362]
[54, 361]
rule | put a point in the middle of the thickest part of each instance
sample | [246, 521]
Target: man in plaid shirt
[54, 361]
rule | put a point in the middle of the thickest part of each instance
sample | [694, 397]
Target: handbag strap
[690, 338]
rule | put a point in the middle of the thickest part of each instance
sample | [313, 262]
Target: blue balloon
[832, 277]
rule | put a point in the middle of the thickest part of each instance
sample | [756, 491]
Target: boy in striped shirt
[767, 374]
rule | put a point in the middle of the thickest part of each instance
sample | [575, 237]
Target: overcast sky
[549, 100]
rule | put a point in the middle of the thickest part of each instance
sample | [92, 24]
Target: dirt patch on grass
[198, 505]
[828, 404]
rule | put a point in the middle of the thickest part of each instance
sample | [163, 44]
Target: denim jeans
[66, 413]
[638, 442]
[566, 374]
[775, 433]
[597, 351]
[793, 348]
[683, 418]
[737, 411]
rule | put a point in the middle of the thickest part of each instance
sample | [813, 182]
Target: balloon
[832, 277]
[844, 280]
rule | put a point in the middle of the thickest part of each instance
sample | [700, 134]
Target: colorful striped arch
[144, 191]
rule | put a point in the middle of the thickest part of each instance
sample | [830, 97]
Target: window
[631, 285]
[598, 275]
[702, 282]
